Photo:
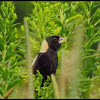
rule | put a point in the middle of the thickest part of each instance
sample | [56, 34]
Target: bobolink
[47, 60]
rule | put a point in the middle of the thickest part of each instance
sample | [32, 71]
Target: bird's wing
[34, 61]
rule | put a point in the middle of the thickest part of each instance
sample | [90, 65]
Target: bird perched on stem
[47, 60]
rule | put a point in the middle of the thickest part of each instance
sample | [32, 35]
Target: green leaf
[14, 83]
[1, 93]
[5, 74]
[96, 14]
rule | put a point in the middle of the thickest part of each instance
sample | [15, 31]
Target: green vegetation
[78, 73]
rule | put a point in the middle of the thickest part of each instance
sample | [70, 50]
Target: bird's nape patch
[44, 47]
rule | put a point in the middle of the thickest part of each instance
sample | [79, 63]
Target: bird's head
[52, 42]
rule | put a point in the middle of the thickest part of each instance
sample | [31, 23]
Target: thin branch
[8, 93]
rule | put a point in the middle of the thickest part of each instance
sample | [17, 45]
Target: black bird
[47, 60]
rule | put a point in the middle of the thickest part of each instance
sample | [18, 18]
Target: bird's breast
[53, 64]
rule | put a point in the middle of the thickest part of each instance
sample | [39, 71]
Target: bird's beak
[62, 40]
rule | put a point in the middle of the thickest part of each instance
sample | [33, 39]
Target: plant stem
[56, 90]
[74, 60]
[4, 52]
[29, 67]
[62, 76]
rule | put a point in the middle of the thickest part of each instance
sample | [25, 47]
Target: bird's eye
[55, 39]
